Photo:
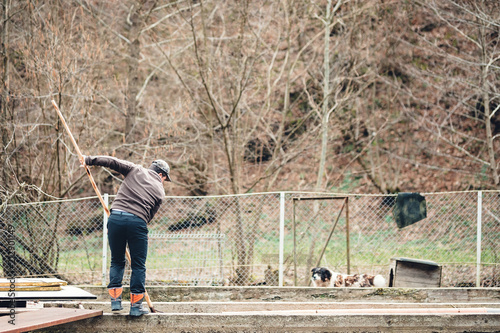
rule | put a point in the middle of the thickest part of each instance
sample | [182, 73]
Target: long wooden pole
[101, 199]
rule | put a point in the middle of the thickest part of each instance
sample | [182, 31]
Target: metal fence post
[282, 237]
[479, 236]
[105, 242]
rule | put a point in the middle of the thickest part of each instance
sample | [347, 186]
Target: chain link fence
[61, 239]
[261, 239]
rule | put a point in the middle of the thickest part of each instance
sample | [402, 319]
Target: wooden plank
[27, 286]
[66, 293]
[33, 282]
[47, 317]
[31, 288]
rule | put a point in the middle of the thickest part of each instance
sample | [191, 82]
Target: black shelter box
[409, 208]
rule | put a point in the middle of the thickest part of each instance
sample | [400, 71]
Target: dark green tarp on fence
[409, 208]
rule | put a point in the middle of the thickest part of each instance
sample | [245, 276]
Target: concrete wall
[306, 294]
[300, 309]
[197, 323]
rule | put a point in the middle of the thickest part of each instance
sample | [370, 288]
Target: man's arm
[113, 163]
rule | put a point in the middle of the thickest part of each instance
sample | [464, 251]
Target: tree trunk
[134, 50]
[5, 88]
[326, 98]
[487, 111]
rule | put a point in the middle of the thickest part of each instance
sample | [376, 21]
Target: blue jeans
[132, 230]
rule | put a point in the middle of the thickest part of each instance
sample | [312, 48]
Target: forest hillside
[372, 96]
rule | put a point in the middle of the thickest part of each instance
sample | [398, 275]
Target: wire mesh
[447, 236]
[490, 240]
[219, 240]
[62, 239]
[184, 260]
[235, 240]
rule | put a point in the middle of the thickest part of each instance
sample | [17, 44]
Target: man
[137, 201]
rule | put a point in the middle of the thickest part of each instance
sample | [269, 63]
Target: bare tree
[5, 98]
[462, 113]
[261, 88]
[326, 110]
[235, 66]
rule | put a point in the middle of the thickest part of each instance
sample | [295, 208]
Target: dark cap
[161, 166]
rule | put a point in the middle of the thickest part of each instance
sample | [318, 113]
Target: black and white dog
[324, 277]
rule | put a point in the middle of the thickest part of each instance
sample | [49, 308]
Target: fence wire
[237, 240]
[61, 239]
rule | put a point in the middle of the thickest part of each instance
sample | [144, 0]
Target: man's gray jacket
[141, 192]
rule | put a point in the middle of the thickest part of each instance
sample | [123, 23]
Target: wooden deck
[43, 318]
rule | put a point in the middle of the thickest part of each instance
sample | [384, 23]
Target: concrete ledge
[220, 307]
[210, 322]
[310, 294]
[298, 309]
